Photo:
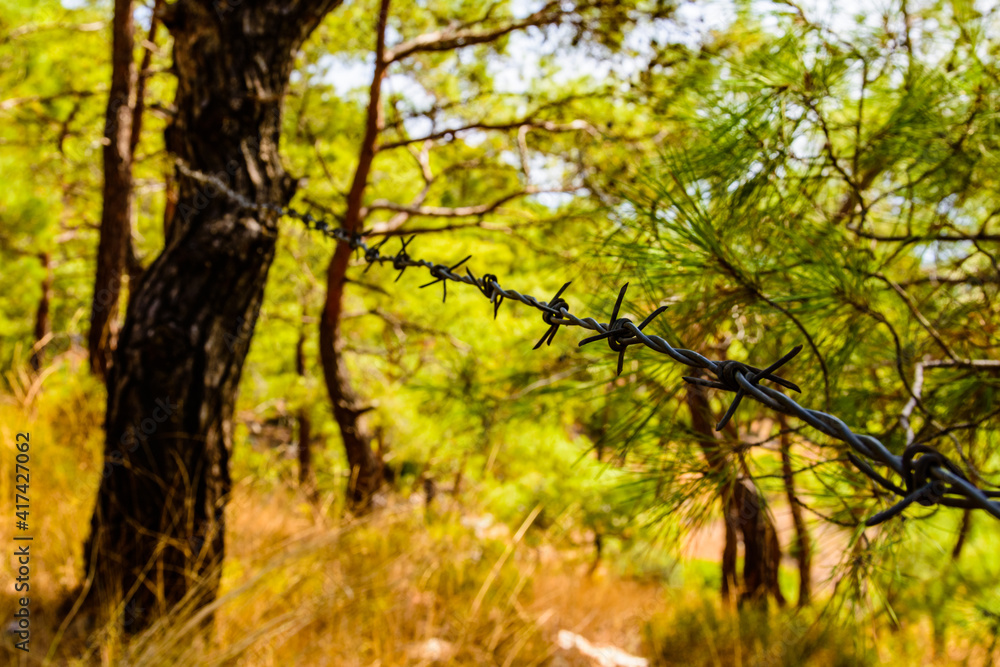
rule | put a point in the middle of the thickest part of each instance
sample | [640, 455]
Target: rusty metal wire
[928, 476]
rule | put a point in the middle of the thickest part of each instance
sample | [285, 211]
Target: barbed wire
[928, 476]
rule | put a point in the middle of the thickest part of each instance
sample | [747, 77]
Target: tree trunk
[142, 75]
[743, 513]
[803, 544]
[306, 478]
[761, 550]
[366, 466]
[701, 424]
[43, 326]
[730, 556]
[116, 220]
[963, 533]
[158, 525]
[307, 481]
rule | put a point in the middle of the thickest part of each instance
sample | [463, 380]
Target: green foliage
[54, 71]
[699, 633]
[835, 190]
[778, 182]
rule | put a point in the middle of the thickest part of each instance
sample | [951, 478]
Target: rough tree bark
[158, 525]
[116, 221]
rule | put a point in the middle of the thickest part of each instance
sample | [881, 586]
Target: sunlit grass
[411, 584]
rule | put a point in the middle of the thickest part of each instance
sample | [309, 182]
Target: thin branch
[904, 416]
[384, 229]
[13, 102]
[962, 363]
[924, 322]
[976, 280]
[959, 427]
[371, 286]
[522, 149]
[456, 36]
[548, 126]
[149, 46]
[94, 26]
[460, 211]
[373, 126]
[423, 160]
[919, 238]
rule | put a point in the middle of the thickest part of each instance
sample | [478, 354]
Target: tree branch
[12, 102]
[548, 126]
[373, 126]
[149, 45]
[917, 238]
[459, 211]
[386, 229]
[31, 29]
[456, 36]
[924, 322]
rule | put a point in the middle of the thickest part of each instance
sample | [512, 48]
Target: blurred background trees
[782, 178]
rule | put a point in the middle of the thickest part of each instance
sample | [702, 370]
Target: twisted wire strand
[928, 476]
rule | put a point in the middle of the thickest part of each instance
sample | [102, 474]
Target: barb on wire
[401, 260]
[372, 254]
[436, 272]
[929, 477]
[727, 380]
[548, 316]
[485, 285]
[618, 331]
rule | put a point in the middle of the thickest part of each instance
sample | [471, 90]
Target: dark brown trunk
[307, 481]
[158, 524]
[803, 544]
[141, 76]
[116, 221]
[761, 550]
[702, 426]
[365, 465]
[730, 555]
[963, 533]
[599, 452]
[742, 510]
[42, 325]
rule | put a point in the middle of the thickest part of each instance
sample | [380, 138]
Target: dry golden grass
[406, 586]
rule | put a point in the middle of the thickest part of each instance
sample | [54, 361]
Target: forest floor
[420, 584]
